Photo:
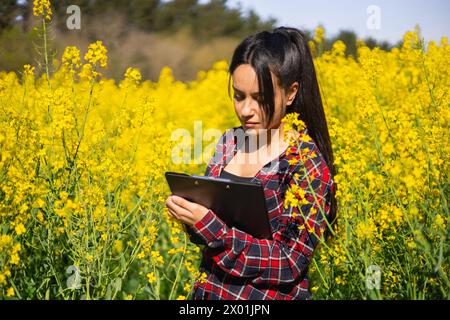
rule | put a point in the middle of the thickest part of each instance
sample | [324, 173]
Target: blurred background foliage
[185, 35]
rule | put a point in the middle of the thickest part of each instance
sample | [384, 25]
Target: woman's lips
[251, 124]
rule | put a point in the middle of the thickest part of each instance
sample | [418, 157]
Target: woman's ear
[292, 92]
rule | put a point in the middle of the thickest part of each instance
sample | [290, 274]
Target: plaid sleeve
[286, 258]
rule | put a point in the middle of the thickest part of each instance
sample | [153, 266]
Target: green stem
[179, 268]
[44, 31]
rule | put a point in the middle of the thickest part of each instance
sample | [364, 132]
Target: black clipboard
[237, 203]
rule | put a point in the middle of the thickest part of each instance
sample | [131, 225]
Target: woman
[273, 75]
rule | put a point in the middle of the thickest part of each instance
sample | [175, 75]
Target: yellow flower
[319, 34]
[87, 72]
[388, 149]
[410, 40]
[339, 280]
[339, 48]
[366, 230]
[187, 287]
[292, 121]
[290, 200]
[118, 246]
[16, 248]
[203, 277]
[10, 292]
[71, 58]
[14, 259]
[40, 203]
[20, 229]
[28, 70]
[411, 244]
[42, 8]
[97, 53]
[151, 277]
[157, 258]
[133, 75]
[181, 297]
[220, 65]
[89, 257]
[439, 222]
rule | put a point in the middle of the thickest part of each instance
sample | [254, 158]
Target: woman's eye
[238, 98]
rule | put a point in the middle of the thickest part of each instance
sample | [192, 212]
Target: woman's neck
[267, 139]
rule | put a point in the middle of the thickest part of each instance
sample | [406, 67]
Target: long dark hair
[285, 52]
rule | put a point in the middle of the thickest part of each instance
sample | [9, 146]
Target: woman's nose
[248, 109]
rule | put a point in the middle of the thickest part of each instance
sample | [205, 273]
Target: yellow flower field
[82, 187]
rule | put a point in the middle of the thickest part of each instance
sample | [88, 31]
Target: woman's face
[247, 100]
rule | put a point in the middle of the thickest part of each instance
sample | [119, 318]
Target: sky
[389, 20]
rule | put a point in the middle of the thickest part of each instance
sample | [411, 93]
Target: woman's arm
[285, 258]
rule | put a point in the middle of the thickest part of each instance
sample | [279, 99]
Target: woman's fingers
[170, 208]
[172, 213]
[183, 203]
[179, 212]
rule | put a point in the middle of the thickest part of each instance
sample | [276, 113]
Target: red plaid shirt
[239, 266]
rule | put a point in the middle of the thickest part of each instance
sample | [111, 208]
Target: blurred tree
[11, 11]
[212, 24]
[373, 43]
[215, 19]
[143, 13]
[253, 22]
[16, 48]
[385, 46]
[175, 14]
[370, 42]
[207, 20]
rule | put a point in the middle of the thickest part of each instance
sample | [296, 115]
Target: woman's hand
[184, 210]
